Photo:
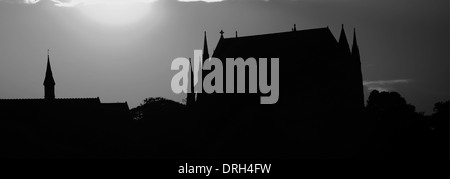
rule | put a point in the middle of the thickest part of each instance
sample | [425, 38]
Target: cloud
[384, 85]
[201, 0]
[31, 1]
[72, 3]
[386, 82]
[21, 1]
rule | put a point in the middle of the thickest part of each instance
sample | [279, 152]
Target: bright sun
[115, 13]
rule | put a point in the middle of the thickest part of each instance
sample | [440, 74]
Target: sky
[121, 50]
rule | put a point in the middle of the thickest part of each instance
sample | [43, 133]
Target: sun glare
[115, 13]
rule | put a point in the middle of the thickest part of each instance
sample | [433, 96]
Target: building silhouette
[60, 127]
[320, 96]
[316, 70]
[49, 105]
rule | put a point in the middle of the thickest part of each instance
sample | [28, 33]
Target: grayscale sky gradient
[125, 55]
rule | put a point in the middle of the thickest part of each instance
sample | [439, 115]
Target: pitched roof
[272, 45]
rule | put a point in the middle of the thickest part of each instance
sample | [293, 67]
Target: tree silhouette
[440, 118]
[391, 115]
[159, 123]
[400, 132]
[439, 131]
[153, 107]
[388, 102]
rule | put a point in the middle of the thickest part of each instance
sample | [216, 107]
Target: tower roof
[355, 48]
[355, 43]
[48, 74]
[205, 48]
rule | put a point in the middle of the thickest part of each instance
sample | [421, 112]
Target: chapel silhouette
[315, 69]
[320, 96]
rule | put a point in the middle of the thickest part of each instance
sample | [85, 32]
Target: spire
[355, 48]
[48, 74]
[191, 69]
[356, 60]
[190, 99]
[343, 41]
[205, 49]
[49, 82]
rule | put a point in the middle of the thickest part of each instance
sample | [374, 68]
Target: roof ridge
[17, 99]
[277, 33]
[74, 98]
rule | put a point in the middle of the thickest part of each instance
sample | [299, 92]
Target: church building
[317, 72]
[62, 108]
